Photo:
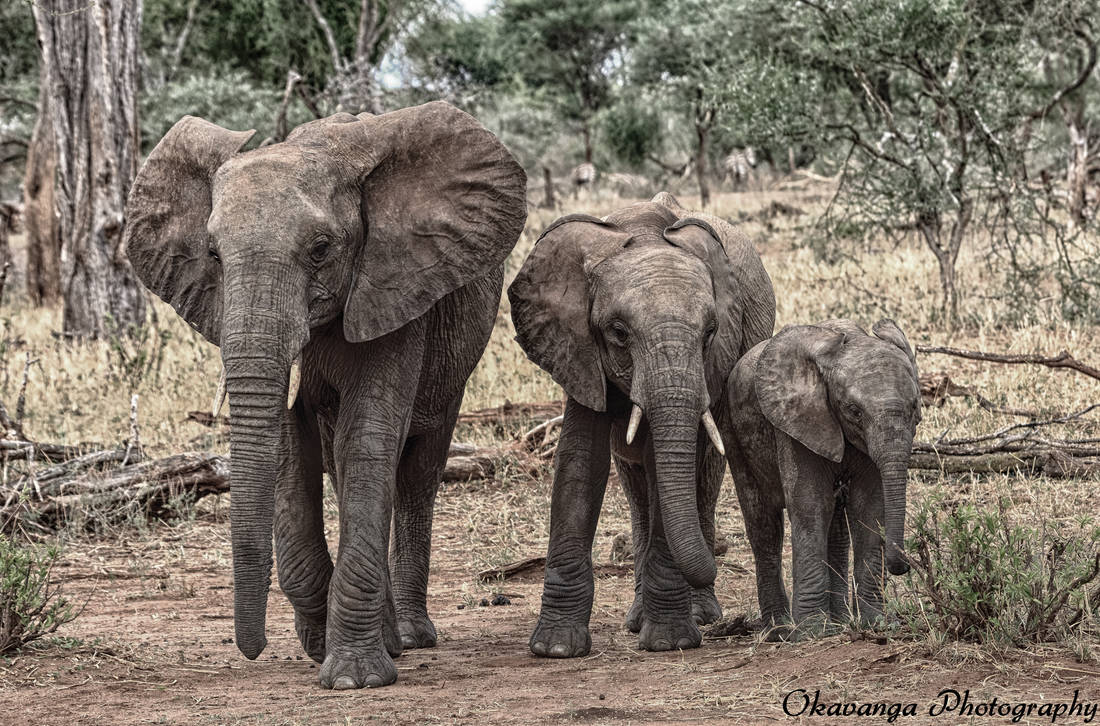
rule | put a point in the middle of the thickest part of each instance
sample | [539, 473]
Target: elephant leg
[710, 469]
[370, 436]
[581, 468]
[633, 480]
[762, 510]
[808, 492]
[418, 477]
[667, 623]
[301, 550]
[866, 514]
[838, 566]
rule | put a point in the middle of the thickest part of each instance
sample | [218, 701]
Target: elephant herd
[351, 275]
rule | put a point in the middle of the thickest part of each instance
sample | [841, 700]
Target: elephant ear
[169, 204]
[791, 388]
[443, 203]
[699, 238]
[550, 304]
[888, 330]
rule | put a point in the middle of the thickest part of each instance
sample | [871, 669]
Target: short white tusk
[219, 396]
[295, 380]
[632, 428]
[712, 432]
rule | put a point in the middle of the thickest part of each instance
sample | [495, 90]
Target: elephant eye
[855, 412]
[319, 250]
[617, 333]
[213, 253]
[711, 332]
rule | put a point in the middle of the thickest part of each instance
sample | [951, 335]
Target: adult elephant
[368, 249]
[640, 317]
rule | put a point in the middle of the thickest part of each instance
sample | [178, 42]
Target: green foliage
[30, 605]
[227, 97]
[568, 49]
[631, 130]
[980, 577]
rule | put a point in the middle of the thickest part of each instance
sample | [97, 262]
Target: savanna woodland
[934, 162]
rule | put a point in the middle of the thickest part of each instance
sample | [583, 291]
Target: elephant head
[644, 300]
[826, 384]
[362, 222]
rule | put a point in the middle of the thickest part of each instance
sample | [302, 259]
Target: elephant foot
[343, 673]
[311, 634]
[815, 626]
[704, 606]
[635, 615]
[680, 635]
[560, 640]
[417, 631]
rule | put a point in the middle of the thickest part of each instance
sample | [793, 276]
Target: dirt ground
[154, 645]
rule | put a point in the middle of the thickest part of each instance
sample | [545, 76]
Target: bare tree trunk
[587, 134]
[548, 200]
[90, 55]
[353, 82]
[1077, 172]
[39, 213]
[701, 133]
[931, 229]
[704, 117]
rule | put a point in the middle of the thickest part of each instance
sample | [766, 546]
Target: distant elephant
[640, 317]
[368, 249]
[823, 418]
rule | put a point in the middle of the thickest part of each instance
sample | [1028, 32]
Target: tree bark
[39, 214]
[90, 58]
[1077, 173]
[701, 134]
[548, 188]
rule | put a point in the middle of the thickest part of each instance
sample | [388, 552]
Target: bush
[978, 577]
[30, 607]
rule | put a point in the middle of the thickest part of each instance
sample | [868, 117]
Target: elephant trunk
[674, 409]
[891, 455]
[258, 346]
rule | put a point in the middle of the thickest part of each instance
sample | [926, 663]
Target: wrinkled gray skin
[823, 418]
[650, 306]
[371, 247]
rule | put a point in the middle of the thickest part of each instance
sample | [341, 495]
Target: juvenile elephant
[822, 423]
[640, 317]
[365, 252]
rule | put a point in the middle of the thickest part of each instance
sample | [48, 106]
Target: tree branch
[1082, 76]
[1061, 360]
[337, 64]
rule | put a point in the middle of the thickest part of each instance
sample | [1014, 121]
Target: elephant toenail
[683, 643]
[344, 683]
[538, 648]
[408, 641]
[559, 651]
[373, 681]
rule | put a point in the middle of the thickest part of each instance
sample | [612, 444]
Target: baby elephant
[822, 423]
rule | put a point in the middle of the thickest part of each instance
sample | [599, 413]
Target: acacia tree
[90, 64]
[569, 51]
[685, 53]
[926, 100]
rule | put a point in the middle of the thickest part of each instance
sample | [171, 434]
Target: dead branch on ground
[1061, 360]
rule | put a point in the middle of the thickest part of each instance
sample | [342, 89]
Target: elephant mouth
[707, 420]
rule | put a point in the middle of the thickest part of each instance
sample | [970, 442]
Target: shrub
[30, 605]
[979, 577]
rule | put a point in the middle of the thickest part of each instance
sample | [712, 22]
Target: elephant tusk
[712, 432]
[219, 396]
[293, 383]
[632, 427]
